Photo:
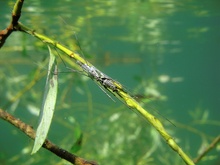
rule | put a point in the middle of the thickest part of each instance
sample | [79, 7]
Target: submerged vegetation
[86, 122]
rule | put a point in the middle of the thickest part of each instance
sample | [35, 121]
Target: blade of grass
[48, 105]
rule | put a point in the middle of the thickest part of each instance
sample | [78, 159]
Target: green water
[166, 50]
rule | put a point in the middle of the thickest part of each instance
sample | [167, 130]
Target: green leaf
[48, 105]
[78, 143]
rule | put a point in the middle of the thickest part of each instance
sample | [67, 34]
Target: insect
[108, 83]
[102, 79]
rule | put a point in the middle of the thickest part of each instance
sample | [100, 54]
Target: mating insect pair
[105, 81]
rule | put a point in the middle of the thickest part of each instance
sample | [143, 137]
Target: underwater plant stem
[210, 147]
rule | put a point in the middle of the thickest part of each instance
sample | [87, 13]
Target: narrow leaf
[48, 104]
[78, 136]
